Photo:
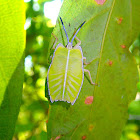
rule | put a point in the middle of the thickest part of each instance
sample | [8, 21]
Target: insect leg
[86, 63]
[85, 70]
[56, 39]
[79, 43]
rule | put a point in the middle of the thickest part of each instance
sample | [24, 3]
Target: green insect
[66, 72]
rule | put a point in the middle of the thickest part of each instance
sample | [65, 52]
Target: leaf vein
[103, 40]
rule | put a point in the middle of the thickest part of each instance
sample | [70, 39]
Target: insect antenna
[77, 31]
[64, 30]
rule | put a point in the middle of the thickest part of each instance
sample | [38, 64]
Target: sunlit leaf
[110, 29]
[12, 44]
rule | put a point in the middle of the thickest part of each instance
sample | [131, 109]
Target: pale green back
[65, 75]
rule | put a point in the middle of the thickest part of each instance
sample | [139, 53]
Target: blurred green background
[41, 16]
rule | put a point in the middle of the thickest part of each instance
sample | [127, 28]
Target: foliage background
[33, 114]
[12, 47]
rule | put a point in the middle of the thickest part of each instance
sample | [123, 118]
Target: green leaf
[41, 136]
[109, 31]
[134, 107]
[138, 86]
[135, 49]
[12, 45]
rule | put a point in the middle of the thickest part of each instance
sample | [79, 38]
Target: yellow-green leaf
[12, 45]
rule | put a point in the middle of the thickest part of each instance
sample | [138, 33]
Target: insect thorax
[69, 45]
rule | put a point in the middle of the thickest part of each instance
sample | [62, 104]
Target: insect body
[66, 72]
